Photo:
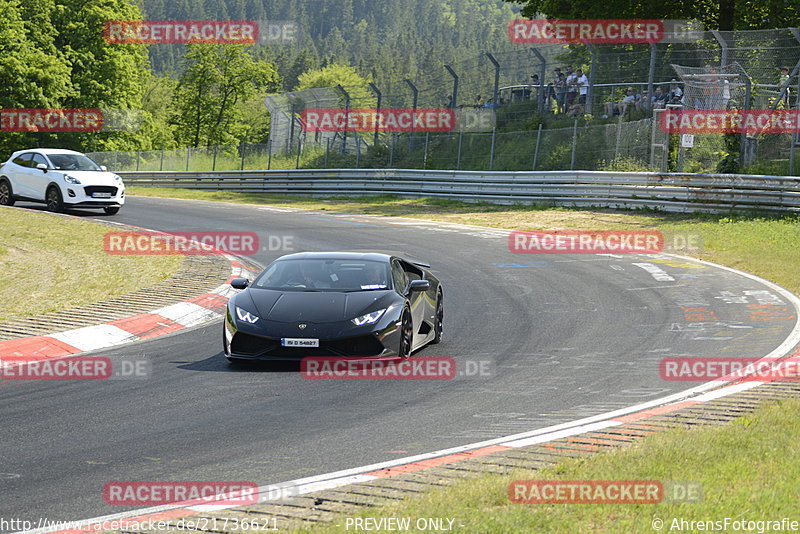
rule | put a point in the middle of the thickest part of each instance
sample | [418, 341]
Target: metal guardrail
[675, 192]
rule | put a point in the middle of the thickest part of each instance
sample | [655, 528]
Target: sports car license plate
[299, 342]
[101, 195]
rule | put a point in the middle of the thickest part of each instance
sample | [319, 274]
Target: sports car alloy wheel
[406, 336]
[437, 337]
[54, 202]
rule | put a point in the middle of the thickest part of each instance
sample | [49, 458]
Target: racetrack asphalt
[567, 337]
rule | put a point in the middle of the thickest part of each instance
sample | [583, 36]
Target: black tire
[406, 336]
[55, 203]
[437, 327]
[6, 194]
[111, 211]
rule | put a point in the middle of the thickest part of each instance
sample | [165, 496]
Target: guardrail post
[425, 155]
[542, 73]
[458, 154]
[415, 100]
[536, 150]
[574, 144]
[214, 163]
[491, 151]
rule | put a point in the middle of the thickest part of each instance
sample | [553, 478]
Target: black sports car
[365, 305]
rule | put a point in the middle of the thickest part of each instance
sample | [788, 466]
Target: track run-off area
[565, 337]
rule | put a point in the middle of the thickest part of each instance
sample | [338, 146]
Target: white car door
[17, 171]
[38, 178]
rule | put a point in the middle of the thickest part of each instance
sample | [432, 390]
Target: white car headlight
[369, 318]
[71, 180]
[117, 177]
[246, 316]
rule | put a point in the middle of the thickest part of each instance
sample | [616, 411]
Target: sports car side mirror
[419, 285]
[239, 283]
[103, 168]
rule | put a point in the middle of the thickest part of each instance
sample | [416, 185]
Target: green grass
[766, 245]
[51, 263]
[747, 469]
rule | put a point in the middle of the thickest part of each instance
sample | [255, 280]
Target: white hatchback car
[62, 179]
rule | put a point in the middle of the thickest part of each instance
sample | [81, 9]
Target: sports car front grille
[249, 345]
[92, 189]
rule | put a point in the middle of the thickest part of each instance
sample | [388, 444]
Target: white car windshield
[325, 275]
[72, 162]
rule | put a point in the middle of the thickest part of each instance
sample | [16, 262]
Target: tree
[217, 79]
[715, 14]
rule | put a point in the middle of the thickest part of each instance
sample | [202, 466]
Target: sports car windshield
[325, 275]
[72, 162]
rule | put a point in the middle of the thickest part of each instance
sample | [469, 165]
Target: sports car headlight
[117, 177]
[369, 318]
[71, 180]
[246, 316]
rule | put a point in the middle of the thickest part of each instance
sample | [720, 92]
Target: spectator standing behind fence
[572, 88]
[583, 87]
[783, 81]
[560, 86]
[450, 103]
[479, 101]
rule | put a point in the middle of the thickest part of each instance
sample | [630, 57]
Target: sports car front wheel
[437, 328]
[406, 335]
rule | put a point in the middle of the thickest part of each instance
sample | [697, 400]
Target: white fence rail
[677, 192]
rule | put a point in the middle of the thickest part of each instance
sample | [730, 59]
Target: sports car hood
[313, 306]
[94, 177]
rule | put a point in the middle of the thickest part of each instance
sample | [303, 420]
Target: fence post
[188, 155]
[116, 153]
[415, 101]
[161, 167]
[743, 140]
[378, 102]
[425, 155]
[619, 137]
[491, 151]
[724, 46]
[269, 152]
[327, 150]
[574, 145]
[214, 163]
[346, 116]
[358, 151]
[138, 157]
[496, 94]
[536, 150]
[458, 154]
[299, 151]
[592, 70]
[651, 73]
[542, 73]
[244, 148]
[454, 103]
[391, 150]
